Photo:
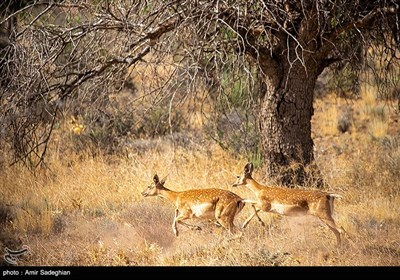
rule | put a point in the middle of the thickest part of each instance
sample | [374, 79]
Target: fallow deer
[216, 204]
[290, 202]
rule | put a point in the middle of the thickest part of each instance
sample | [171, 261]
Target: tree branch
[361, 23]
[156, 33]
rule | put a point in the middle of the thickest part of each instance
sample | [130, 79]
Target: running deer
[212, 203]
[289, 202]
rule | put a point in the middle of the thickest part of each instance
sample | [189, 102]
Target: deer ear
[248, 169]
[163, 180]
[155, 179]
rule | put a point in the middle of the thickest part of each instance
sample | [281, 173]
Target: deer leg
[189, 226]
[226, 218]
[174, 227]
[332, 226]
[252, 216]
[179, 219]
[248, 220]
[264, 206]
[252, 202]
[256, 214]
[216, 223]
[343, 231]
[227, 223]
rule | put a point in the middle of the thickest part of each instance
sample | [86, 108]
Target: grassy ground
[89, 211]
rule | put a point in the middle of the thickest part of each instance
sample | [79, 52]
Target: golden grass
[378, 128]
[89, 211]
[329, 123]
[368, 95]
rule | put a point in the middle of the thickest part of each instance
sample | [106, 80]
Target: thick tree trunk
[285, 123]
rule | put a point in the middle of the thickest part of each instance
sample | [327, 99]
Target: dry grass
[88, 211]
[329, 123]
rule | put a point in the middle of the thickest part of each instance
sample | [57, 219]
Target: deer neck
[253, 186]
[168, 194]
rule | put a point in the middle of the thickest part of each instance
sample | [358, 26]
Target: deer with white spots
[289, 202]
[215, 204]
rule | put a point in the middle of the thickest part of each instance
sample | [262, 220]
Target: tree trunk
[285, 122]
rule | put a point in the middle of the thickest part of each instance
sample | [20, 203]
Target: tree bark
[285, 115]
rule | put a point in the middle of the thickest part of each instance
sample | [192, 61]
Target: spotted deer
[289, 202]
[215, 204]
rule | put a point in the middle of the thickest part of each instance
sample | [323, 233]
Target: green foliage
[235, 126]
[344, 81]
[74, 19]
[157, 122]
[378, 112]
[236, 91]
[110, 132]
[256, 157]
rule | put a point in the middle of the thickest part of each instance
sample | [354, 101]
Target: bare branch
[71, 57]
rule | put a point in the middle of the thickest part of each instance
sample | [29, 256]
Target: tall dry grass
[88, 210]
